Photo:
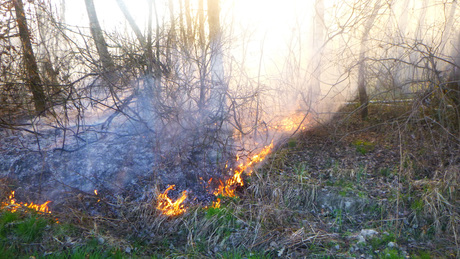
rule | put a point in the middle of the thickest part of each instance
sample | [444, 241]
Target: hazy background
[196, 84]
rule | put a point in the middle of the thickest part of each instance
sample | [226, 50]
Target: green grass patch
[242, 253]
[390, 253]
[363, 147]
[417, 206]
[382, 241]
[31, 228]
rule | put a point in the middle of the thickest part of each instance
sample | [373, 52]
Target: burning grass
[225, 189]
[169, 207]
[228, 188]
[312, 199]
[12, 205]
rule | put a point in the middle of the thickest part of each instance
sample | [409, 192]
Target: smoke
[285, 66]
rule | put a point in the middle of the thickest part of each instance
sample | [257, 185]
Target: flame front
[168, 207]
[293, 122]
[228, 188]
[12, 206]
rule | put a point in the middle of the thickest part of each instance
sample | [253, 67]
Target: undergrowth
[313, 197]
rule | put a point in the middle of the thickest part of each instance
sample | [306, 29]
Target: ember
[95, 192]
[168, 207]
[12, 206]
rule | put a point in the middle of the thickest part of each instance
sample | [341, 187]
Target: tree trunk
[47, 47]
[33, 77]
[448, 27]
[172, 34]
[202, 63]
[149, 38]
[362, 92]
[420, 30]
[158, 70]
[108, 65]
[182, 29]
[219, 89]
[132, 23]
[188, 20]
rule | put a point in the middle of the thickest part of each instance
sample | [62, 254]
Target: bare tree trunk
[362, 92]
[218, 91]
[448, 27]
[132, 23]
[98, 37]
[33, 78]
[182, 28]
[62, 11]
[214, 20]
[202, 65]
[453, 87]
[454, 81]
[149, 38]
[188, 19]
[418, 36]
[158, 71]
[421, 21]
[46, 48]
[172, 33]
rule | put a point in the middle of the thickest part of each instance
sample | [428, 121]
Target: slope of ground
[383, 188]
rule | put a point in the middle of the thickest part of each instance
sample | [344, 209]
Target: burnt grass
[384, 187]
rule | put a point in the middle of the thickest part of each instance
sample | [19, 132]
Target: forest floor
[385, 187]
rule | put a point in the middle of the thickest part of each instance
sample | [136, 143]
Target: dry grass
[311, 200]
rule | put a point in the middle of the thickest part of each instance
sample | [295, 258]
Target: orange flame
[228, 188]
[291, 123]
[12, 206]
[95, 192]
[168, 207]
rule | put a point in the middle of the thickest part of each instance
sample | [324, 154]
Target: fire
[228, 188]
[95, 193]
[168, 207]
[12, 206]
[291, 123]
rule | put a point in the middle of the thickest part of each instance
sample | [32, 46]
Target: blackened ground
[41, 168]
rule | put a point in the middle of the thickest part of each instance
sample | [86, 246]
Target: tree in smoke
[33, 77]
[121, 4]
[108, 65]
[453, 86]
[219, 89]
[318, 41]
[362, 92]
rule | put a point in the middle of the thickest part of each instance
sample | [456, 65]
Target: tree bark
[33, 78]
[98, 37]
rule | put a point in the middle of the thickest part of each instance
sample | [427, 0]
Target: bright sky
[271, 14]
[264, 24]
[266, 31]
